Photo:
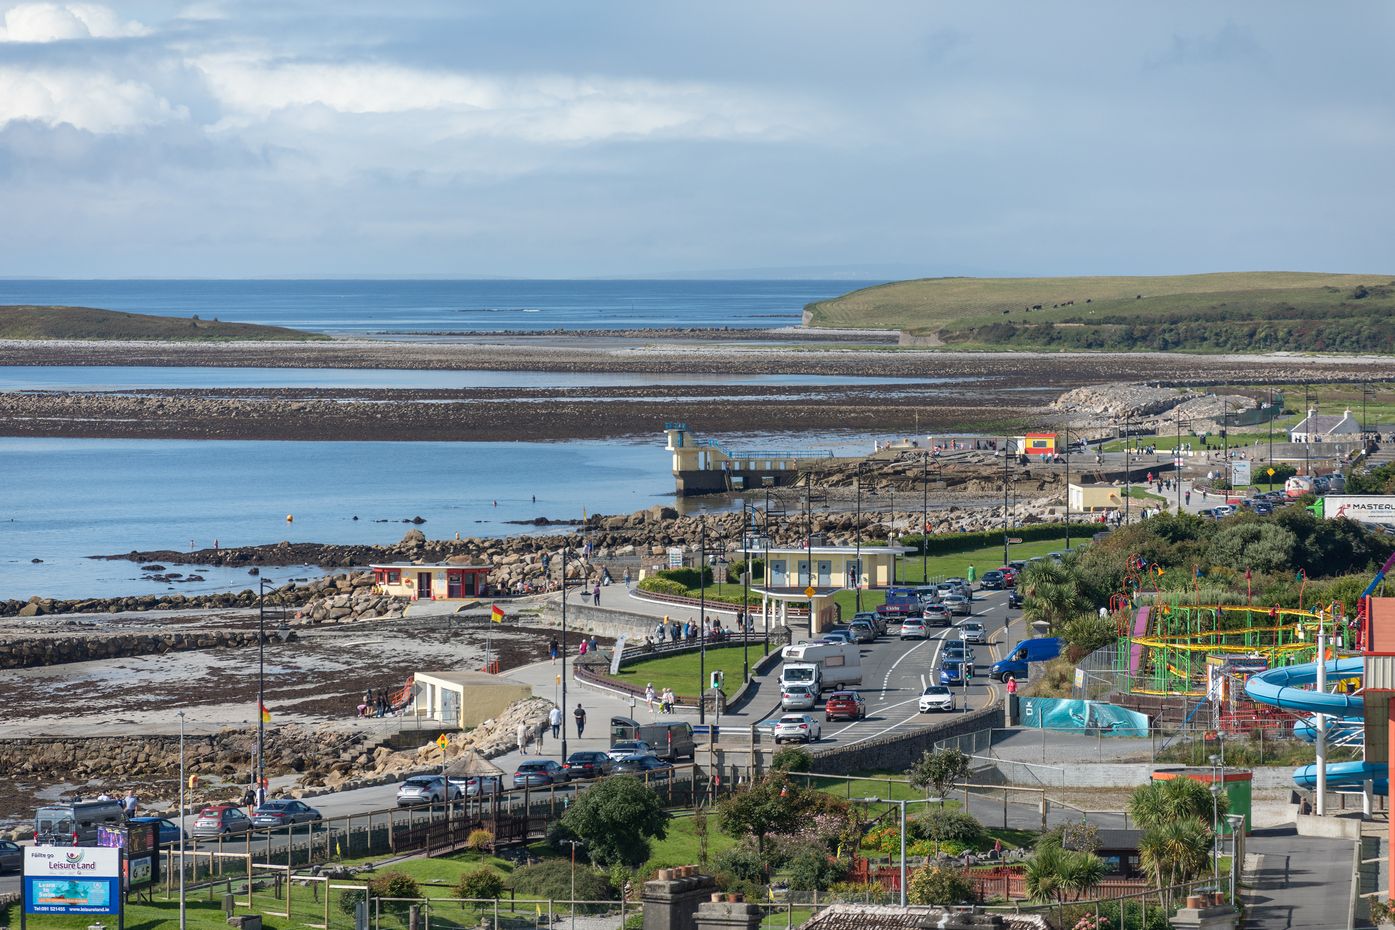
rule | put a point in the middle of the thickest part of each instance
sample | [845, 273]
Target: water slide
[1284, 688]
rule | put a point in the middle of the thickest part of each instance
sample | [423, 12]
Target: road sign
[1239, 473]
[442, 741]
[810, 591]
[1269, 472]
[72, 880]
[1014, 541]
[675, 557]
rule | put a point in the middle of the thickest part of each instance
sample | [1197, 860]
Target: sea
[70, 499]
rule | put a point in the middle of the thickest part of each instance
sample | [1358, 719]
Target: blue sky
[615, 138]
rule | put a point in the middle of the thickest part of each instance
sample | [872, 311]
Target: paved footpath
[1303, 882]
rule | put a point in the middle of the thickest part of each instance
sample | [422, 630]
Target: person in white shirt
[554, 720]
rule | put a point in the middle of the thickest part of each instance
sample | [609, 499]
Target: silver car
[958, 605]
[800, 727]
[798, 697]
[973, 632]
[425, 789]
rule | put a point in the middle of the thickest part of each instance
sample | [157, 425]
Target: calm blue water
[447, 306]
[125, 378]
[84, 497]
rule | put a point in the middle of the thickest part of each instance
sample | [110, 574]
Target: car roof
[790, 718]
[935, 689]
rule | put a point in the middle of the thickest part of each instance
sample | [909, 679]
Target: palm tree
[1051, 592]
[1081, 871]
[1162, 802]
[1044, 874]
[1176, 852]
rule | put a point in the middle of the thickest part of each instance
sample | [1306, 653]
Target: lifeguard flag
[266, 714]
[496, 614]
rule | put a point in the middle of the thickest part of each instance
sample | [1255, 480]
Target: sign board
[675, 557]
[615, 657]
[1080, 678]
[72, 880]
[142, 860]
[1366, 508]
[810, 591]
[1239, 473]
[442, 741]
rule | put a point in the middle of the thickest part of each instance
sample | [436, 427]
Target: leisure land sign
[72, 880]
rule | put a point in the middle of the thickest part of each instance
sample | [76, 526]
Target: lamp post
[563, 650]
[1128, 473]
[900, 803]
[1307, 432]
[765, 572]
[1271, 439]
[183, 918]
[261, 689]
[745, 593]
[1177, 461]
[857, 523]
[702, 616]
[1067, 485]
[1215, 822]
[1007, 456]
[924, 513]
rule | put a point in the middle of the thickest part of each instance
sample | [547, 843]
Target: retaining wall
[899, 750]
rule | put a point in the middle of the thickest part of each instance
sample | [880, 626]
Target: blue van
[1029, 650]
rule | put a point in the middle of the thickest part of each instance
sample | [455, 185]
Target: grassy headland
[70, 323]
[1226, 312]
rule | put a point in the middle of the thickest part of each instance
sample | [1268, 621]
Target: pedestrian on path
[553, 649]
[627, 578]
[522, 737]
[649, 696]
[597, 593]
[541, 733]
[554, 719]
[580, 716]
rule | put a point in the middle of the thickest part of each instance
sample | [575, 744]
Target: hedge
[687, 577]
[662, 586]
[949, 543]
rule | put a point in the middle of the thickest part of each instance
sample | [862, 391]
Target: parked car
[973, 632]
[877, 620]
[800, 727]
[166, 831]
[958, 651]
[588, 763]
[938, 614]
[936, 698]
[798, 697]
[1224, 510]
[11, 856]
[538, 773]
[913, 628]
[1009, 575]
[863, 631]
[958, 605]
[625, 748]
[837, 636]
[1263, 508]
[649, 768]
[284, 813]
[847, 705]
[992, 581]
[475, 786]
[1017, 565]
[1014, 599]
[221, 820]
[424, 789]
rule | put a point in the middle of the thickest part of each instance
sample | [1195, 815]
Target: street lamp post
[1215, 823]
[900, 803]
[924, 514]
[1128, 472]
[1177, 462]
[261, 689]
[1307, 432]
[765, 572]
[857, 529]
[702, 617]
[1067, 485]
[1007, 455]
[183, 917]
[563, 650]
[1270, 466]
[745, 594]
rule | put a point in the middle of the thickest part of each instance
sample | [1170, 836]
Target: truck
[827, 666]
[1025, 652]
[898, 605]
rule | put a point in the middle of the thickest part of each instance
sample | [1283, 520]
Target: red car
[847, 705]
[1009, 576]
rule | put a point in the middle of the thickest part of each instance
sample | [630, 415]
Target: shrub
[479, 840]
[1086, 632]
[480, 883]
[734, 570]
[950, 543]
[687, 577]
[394, 885]
[348, 900]
[792, 759]
[938, 885]
[944, 824]
[662, 586]
[552, 879]
[813, 870]
[739, 863]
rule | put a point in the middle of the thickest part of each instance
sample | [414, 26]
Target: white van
[837, 665]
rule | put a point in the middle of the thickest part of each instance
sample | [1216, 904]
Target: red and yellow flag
[497, 614]
[266, 714]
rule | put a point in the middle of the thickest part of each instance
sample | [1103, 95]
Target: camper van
[670, 740]
[828, 666]
[76, 823]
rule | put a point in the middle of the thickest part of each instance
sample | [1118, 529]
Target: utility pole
[702, 618]
[565, 546]
[857, 520]
[1067, 485]
[1007, 449]
[924, 514]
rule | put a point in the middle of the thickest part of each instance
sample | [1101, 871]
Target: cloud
[92, 101]
[58, 22]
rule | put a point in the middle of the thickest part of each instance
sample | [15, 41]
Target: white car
[628, 748]
[913, 628]
[800, 727]
[936, 698]
[426, 789]
[971, 631]
[798, 697]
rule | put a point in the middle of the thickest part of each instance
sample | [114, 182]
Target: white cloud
[57, 22]
[92, 101]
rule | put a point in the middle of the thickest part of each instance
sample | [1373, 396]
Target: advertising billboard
[1367, 508]
[72, 880]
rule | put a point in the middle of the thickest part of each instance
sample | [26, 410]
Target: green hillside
[29, 322]
[1231, 312]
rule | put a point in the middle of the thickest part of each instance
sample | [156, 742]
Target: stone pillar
[718, 913]
[1199, 913]
[972, 919]
[671, 900]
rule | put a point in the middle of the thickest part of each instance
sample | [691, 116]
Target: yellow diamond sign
[810, 591]
[442, 741]
[1270, 472]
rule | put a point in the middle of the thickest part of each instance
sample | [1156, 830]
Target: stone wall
[898, 751]
[25, 652]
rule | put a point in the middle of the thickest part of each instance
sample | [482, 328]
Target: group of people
[672, 632]
[129, 804]
[587, 644]
[666, 701]
[376, 703]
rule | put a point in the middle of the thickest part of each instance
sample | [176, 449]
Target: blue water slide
[1346, 775]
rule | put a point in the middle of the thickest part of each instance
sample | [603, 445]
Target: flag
[338, 850]
[266, 714]
[537, 909]
[1159, 570]
[497, 614]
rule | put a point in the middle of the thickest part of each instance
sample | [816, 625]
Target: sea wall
[26, 652]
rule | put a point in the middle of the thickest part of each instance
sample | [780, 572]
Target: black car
[647, 767]
[588, 764]
[1263, 508]
[1014, 598]
[11, 856]
[284, 813]
[992, 581]
[168, 831]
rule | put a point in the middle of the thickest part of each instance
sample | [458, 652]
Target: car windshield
[532, 766]
[937, 689]
[275, 806]
[417, 783]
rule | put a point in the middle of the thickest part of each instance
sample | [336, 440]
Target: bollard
[413, 918]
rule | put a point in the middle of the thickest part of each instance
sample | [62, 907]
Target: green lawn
[682, 672]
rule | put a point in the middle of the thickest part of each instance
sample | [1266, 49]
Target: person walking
[553, 649]
[554, 719]
[649, 696]
[541, 732]
[672, 632]
[130, 804]
[580, 716]
[522, 737]
[627, 578]
[597, 593]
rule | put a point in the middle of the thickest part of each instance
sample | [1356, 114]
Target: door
[455, 585]
[854, 573]
[803, 574]
[423, 584]
[778, 575]
[825, 573]
[471, 584]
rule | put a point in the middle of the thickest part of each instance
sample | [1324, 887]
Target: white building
[1318, 427]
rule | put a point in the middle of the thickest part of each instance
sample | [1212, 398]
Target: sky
[802, 138]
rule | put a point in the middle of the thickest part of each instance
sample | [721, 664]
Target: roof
[470, 763]
[1324, 423]
[914, 917]
[479, 568]
[466, 678]
[796, 594]
[1119, 839]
